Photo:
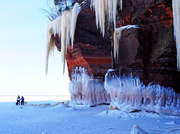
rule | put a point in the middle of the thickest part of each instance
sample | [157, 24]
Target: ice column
[176, 21]
[85, 89]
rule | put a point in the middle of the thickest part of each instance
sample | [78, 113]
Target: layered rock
[150, 49]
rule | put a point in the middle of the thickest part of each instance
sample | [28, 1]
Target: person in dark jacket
[18, 100]
[22, 100]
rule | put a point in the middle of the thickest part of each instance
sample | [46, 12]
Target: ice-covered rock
[129, 94]
[85, 89]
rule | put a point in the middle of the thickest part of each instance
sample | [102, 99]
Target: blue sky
[23, 51]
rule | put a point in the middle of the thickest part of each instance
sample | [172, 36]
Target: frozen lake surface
[52, 117]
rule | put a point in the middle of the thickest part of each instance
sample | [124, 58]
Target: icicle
[117, 37]
[176, 21]
[65, 34]
[64, 26]
[52, 29]
[110, 9]
[75, 11]
[102, 20]
[105, 8]
[114, 12]
[99, 7]
[121, 4]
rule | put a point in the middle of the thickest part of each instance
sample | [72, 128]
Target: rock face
[90, 49]
[151, 49]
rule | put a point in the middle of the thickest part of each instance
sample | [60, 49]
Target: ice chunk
[137, 130]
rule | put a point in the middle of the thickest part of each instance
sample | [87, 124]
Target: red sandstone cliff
[150, 49]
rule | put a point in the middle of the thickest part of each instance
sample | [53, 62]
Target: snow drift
[85, 89]
[64, 26]
[129, 94]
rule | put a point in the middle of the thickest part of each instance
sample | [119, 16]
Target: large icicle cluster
[176, 21]
[53, 28]
[105, 8]
[128, 94]
[64, 26]
[117, 37]
[85, 89]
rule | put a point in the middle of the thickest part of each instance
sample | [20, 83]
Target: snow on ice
[53, 117]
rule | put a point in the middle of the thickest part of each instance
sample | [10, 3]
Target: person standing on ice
[18, 100]
[22, 100]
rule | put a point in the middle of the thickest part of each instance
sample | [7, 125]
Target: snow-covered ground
[51, 117]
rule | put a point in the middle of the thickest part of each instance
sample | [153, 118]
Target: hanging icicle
[65, 35]
[53, 28]
[117, 37]
[75, 11]
[64, 26]
[105, 8]
[176, 21]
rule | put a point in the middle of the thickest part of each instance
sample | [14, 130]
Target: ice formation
[64, 26]
[105, 8]
[65, 35]
[128, 94]
[137, 130]
[86, 90]
[176, 21]
[117, 37]
[53, 28]
[75, 11]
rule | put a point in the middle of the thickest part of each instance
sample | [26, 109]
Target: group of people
[20, 99]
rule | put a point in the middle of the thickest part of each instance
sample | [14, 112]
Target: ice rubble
[137, 130]
[176, 21]
[85, 89]
[105, 8]
[64, 26]
[128, 94]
